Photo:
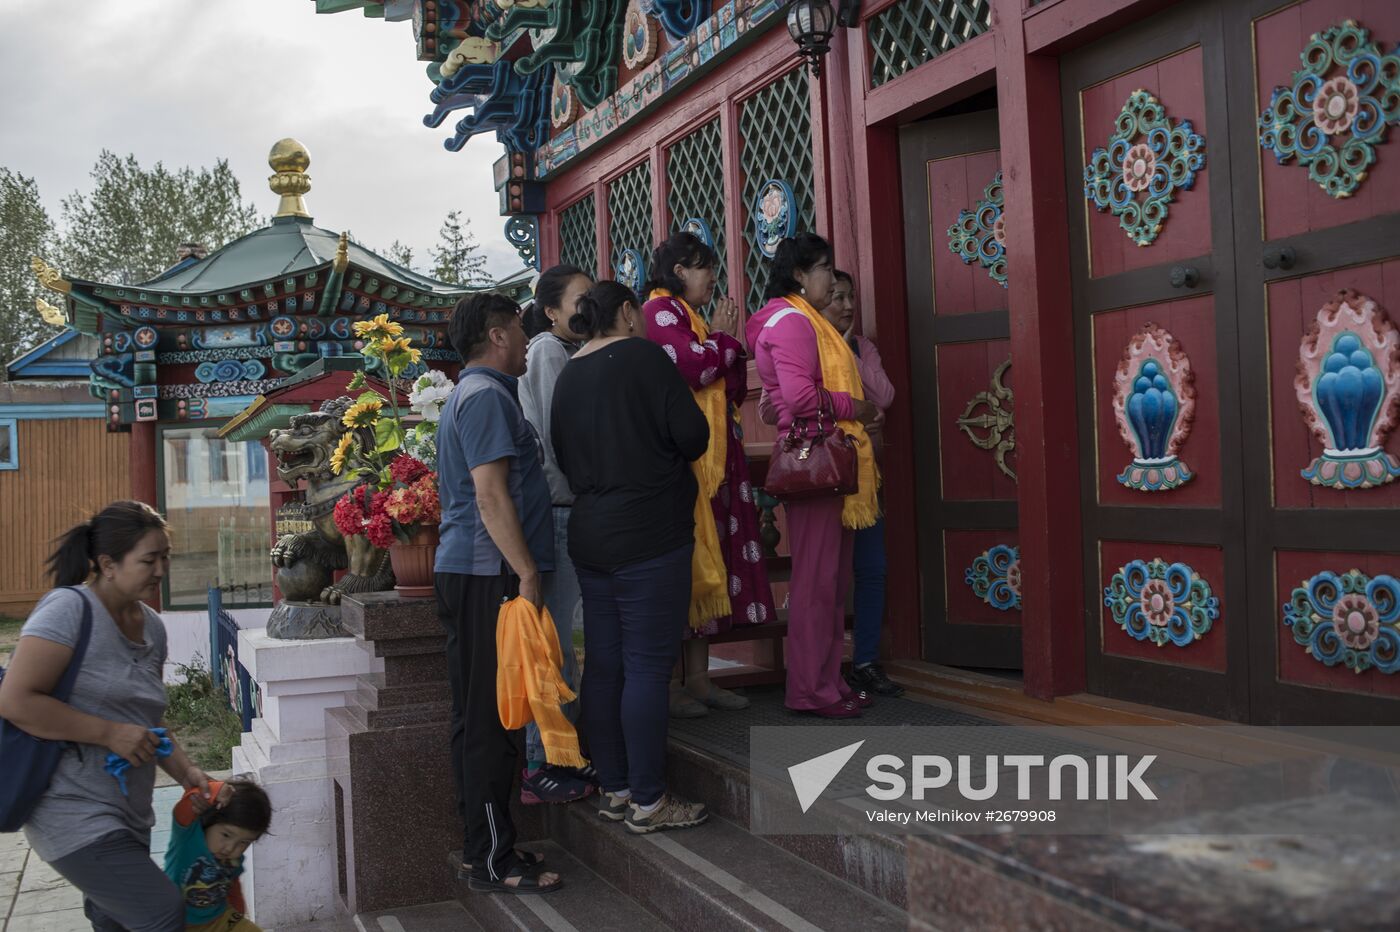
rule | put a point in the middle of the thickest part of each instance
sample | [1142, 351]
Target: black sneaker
[870, 678]
[551, 785]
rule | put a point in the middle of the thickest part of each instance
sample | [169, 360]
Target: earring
[801, 290]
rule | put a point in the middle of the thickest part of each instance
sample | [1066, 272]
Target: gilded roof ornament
[342, 253]
[49, 276]
[289, 159]
[50, 314]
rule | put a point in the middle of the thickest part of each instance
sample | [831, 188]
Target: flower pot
[413, 563]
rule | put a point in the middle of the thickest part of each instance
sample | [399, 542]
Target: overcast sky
[186, 82]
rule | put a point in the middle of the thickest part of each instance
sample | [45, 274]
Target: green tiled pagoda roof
[289, 246]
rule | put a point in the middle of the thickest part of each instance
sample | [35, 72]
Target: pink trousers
[821, 576]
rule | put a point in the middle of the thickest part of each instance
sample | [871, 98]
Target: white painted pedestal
[291, 876]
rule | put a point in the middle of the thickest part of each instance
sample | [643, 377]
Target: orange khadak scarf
[709, 579]
[529, 686]
[840, 374]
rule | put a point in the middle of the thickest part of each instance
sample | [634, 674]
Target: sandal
[529, 882]
[464, 870]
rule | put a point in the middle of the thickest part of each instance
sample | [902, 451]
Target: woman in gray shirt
[551, 344]
[85, 826]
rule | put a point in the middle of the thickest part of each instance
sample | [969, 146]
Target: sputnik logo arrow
[811, 777]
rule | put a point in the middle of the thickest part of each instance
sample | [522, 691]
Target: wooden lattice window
[776, 127]
[694, 171]
[577, 242]
[630, 218]
[908, 33]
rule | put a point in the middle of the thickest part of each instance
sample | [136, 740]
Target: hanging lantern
[810, 24]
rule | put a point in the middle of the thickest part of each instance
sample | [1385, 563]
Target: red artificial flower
[349, 519]
[405, 469]
[404, 506]
[380, 531]
[431, 505]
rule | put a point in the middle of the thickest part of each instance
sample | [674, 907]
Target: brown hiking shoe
[672, 812]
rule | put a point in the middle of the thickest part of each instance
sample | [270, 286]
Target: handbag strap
[64, 689]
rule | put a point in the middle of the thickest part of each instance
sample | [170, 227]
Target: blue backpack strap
[64, 688]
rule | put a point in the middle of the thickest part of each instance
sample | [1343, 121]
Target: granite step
[586, 902]
[717, 877]
[434, 917]
[874, 864]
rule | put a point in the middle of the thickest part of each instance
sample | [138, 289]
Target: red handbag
[813, 463]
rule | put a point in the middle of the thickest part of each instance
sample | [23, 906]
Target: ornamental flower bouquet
[398, 494]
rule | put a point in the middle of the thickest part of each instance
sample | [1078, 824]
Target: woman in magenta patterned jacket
[729, 579]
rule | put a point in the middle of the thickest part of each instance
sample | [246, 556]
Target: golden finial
[50, 314]
[342, 253]
[289, 159]
[49, 276]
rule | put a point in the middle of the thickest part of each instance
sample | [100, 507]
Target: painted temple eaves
[554, 78]
[209, 334]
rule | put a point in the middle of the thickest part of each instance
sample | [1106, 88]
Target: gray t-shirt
[120, 681]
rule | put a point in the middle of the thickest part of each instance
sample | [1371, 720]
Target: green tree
[25, 231]
[458, 259]
[399, 254]
[127, 228]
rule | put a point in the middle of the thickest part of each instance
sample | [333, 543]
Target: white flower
[735, 585]
[430, 392]
[745, 492]
[666, 319]
[670, 351]
[733, 525]
[729, 357]
[697, 349]
[709, 375]
[752, 553]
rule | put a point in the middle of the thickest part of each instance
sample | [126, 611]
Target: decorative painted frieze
[1149, 158]
[1154, 403]
[774, 215]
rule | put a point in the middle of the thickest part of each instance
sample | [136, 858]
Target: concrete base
[291, 874]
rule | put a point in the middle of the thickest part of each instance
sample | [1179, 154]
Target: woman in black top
[625, 428]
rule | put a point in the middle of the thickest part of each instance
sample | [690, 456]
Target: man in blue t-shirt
[497, 537]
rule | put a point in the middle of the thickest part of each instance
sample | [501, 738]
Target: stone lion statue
[305, 562]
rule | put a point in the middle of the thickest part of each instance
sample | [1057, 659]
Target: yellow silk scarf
[840, 374]
[709, 579]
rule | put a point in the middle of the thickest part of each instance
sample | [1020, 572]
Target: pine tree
[458, 259]
[25, 231]
[127, 228]
[399, 254]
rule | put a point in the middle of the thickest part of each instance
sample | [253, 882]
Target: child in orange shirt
[205, 854]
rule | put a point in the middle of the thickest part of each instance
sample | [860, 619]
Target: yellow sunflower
[401, 345]
[363, 414]
[342, 451]
[378, 328]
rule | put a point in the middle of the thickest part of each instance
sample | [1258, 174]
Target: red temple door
[963, 403]
[1233, 567]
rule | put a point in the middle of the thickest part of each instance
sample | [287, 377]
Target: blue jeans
[868, 559]
[636, 617]
[561, 597]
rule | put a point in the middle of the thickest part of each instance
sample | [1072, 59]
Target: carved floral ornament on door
[1154, 403]
[997, 420]
[1165, 603]
[1337, 109]
[1149, 158]
[1348, 389]
[979, 234]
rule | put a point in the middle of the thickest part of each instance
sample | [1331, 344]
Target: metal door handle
[1280, 257]
[1184, 276]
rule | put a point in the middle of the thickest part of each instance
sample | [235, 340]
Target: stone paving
[33, 898]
